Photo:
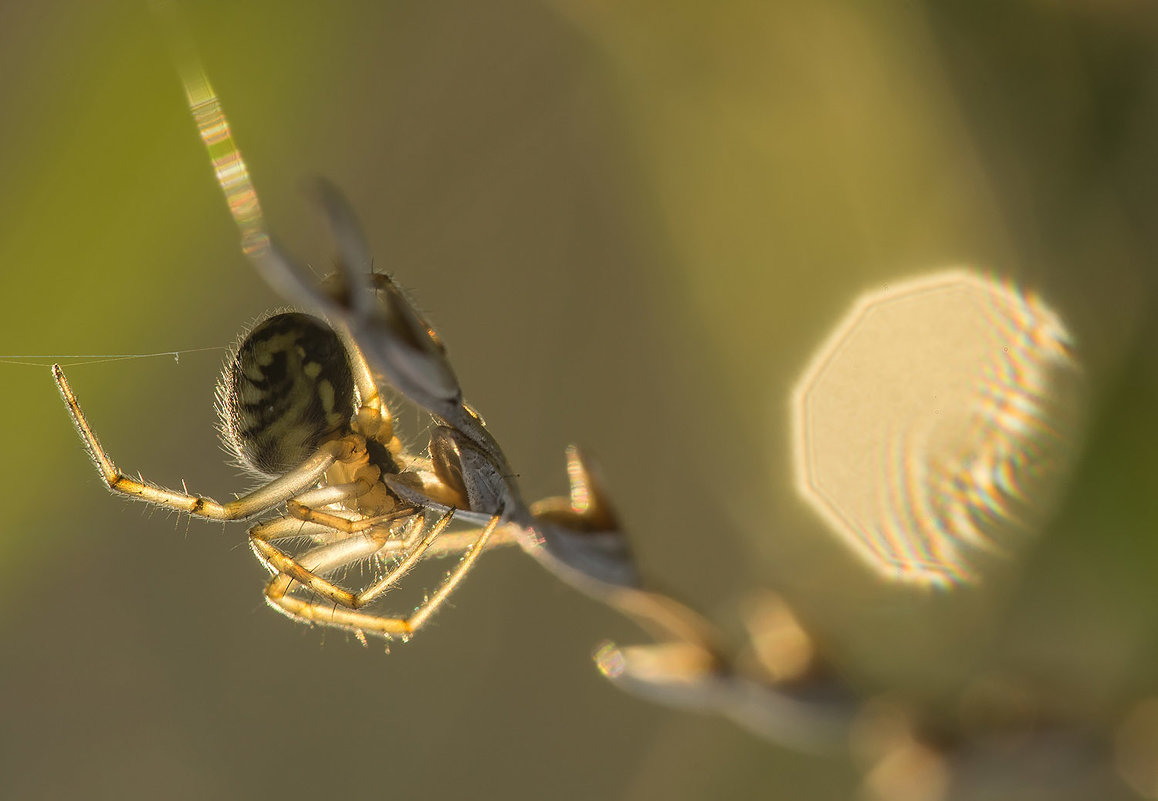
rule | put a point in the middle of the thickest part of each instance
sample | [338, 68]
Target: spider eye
[288, 388]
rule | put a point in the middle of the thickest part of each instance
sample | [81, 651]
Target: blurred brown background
[631, 224]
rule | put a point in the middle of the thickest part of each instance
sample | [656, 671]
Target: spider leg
[461, 541]
[278, 596]
[287, 527]
[327, 558]
[287, 570]
[413, 554]
[449, 544]
[308, 570]
[301, 510]
[336, 549]
[262, 499]
[333, 493]
[305, 507]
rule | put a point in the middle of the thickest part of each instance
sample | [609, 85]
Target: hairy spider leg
[330, 557]
[277, 594]
[300, 509]
[449, 544]
[262, 499]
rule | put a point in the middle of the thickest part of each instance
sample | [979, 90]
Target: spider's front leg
[275, 492]
[287, 402]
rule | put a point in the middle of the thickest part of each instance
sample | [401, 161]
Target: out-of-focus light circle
[936, 422]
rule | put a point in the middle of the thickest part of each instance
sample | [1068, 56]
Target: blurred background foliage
[632, 223]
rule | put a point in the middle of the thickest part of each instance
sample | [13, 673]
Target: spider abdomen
[288, 388]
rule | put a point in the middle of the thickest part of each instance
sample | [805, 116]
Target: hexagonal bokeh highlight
[936, 423]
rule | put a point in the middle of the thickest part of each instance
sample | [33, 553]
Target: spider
[299, 406]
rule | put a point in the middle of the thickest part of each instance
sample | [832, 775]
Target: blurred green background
[632, 223]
